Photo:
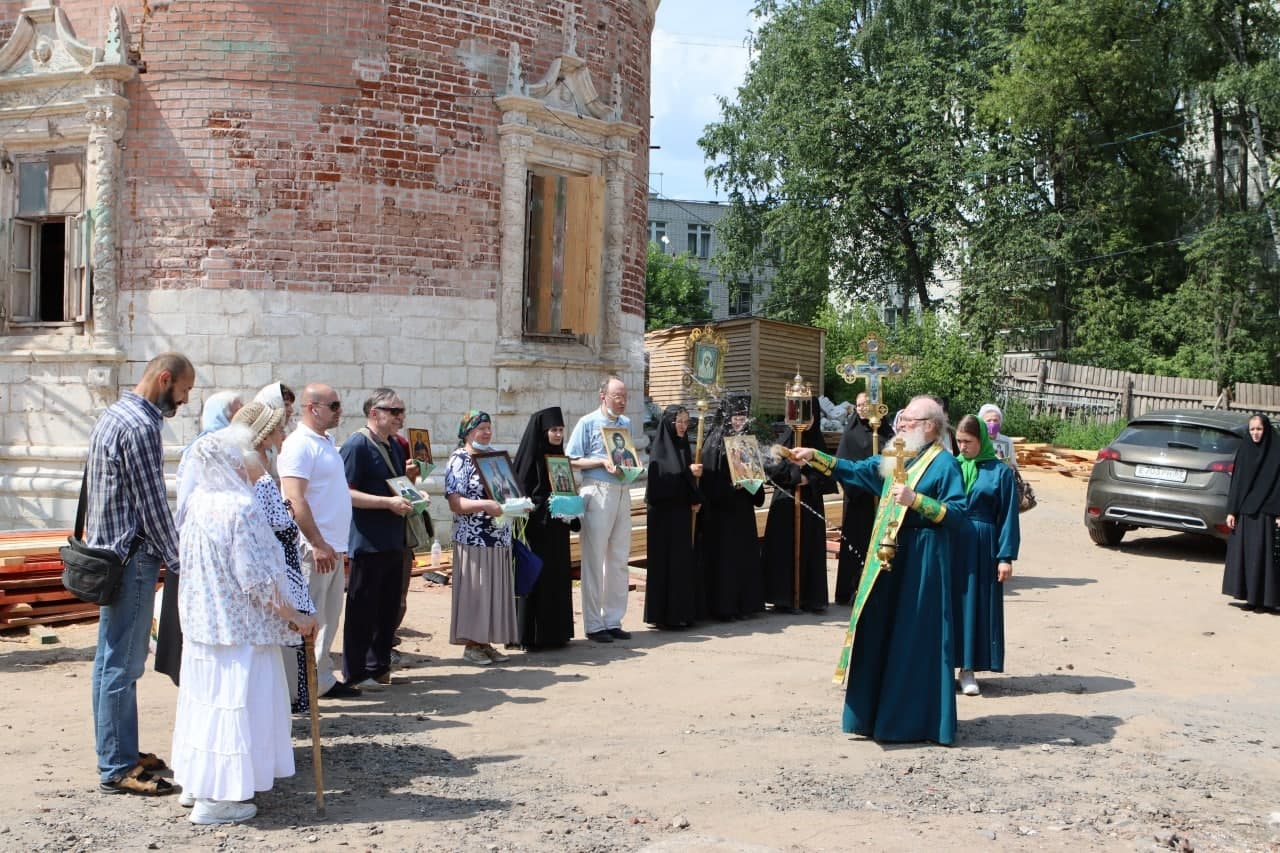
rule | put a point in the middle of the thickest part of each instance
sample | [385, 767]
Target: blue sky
[699, 52]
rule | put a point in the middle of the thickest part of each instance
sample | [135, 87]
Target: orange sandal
[138, 781]
[151, 762]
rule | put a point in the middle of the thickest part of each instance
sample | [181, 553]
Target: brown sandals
[151, 762]
[138, 781]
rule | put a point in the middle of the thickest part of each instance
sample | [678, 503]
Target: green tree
[844, 153]
[675, 291]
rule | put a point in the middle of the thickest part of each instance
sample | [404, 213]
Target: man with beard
[859, 506]
[127, 512]
[897, 654]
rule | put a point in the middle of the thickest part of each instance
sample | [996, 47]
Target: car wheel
[1105, 533]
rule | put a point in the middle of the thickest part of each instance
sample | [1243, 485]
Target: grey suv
[1168, 469]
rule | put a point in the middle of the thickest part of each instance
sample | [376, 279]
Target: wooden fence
[1055, 387]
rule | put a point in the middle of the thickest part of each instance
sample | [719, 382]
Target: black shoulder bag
[91, 574]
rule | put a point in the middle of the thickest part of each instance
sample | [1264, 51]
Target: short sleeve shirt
[587, 442]
[461, 477]
[311, 456]
[373, 531]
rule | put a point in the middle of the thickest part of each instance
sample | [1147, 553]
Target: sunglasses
[395, 411]
[333, 407]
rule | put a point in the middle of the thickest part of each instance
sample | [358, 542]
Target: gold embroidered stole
[888, 522]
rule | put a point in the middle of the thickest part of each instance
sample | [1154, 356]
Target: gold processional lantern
[798, 416]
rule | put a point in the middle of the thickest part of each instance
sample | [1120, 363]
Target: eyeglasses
[912, 420]
[394, 411]
[332, 406]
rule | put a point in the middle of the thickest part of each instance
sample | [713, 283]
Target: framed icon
[743, 454]
[704, 374]
[497, 476]
[619, 447]
[420, 445]
[560, 475]
[405, 488]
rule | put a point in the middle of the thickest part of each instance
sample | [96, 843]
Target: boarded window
[563, 256]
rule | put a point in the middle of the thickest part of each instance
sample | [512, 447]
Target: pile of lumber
[1063, 460]
[31, 590]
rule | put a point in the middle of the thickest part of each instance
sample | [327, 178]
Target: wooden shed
[762, 358]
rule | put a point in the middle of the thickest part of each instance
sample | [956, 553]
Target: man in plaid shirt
[128, 512]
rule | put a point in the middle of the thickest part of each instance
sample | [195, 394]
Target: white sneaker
[221, 811]
[969, 684]
[186, 800]
[370, 684]
[476, 656]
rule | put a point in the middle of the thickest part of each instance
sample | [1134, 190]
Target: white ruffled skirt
[231, 735]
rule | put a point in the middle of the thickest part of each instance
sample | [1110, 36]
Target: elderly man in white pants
[606, 523]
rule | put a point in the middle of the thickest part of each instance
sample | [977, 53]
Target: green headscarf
[969, 467]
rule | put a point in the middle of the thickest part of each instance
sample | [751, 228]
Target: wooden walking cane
[309, 650]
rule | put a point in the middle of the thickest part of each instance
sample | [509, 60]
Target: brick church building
[444, 197]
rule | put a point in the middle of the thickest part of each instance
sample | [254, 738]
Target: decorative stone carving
[57, 93]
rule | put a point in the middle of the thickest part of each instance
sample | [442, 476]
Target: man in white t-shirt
[314, 480]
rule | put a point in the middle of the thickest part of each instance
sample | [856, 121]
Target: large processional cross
[873, 371]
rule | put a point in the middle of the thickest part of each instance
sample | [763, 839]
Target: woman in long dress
[266, 426]
[779, 533]
[727, 523]
[231, 734]
[977, 588]
[1252, 573]
[484, 596]
[673, 580]
[545, 615]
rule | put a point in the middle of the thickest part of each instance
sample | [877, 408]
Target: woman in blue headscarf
[977, 590]
[484, 596]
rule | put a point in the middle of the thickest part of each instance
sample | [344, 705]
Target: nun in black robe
[1252, 572]
[859, 508]
[545, 616]
[673, 585]
[779, 534]
[727, 524]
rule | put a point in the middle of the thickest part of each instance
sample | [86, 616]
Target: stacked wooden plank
[1062, 460]
[31, 581]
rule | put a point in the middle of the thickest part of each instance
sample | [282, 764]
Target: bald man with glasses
[314, 480]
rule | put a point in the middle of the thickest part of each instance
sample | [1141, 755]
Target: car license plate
[1164, 475]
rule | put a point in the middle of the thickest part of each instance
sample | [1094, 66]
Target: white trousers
[606, 546]
[328, 592]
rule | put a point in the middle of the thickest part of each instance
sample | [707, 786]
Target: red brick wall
[343, 145]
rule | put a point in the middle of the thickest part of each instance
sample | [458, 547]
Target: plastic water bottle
[435, 553]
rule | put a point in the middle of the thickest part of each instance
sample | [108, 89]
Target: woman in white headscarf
[231, 734]
[991, 415]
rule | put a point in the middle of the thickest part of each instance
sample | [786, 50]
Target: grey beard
[914, 441]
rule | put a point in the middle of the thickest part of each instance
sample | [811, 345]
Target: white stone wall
[437, 352]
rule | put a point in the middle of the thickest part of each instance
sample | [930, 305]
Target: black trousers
[373, 609]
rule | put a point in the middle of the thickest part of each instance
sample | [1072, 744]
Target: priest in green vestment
[898, 656]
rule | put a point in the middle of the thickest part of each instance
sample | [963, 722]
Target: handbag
[418, 530]
[1026, 495]
[527, 566]
[91, 574]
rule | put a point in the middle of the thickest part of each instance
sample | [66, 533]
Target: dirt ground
[1140, 711]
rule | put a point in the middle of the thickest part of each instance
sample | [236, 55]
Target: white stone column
[515, 141]
[107, 111]
[615, 227]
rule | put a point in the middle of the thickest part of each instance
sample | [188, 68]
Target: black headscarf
[669, 476]
[733, 403]
[1255, 479]
[530, 462]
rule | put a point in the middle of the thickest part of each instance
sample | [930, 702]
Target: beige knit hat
[261, 420]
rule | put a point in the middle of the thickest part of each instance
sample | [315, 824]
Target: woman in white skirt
[484, 596]
[231, 734]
